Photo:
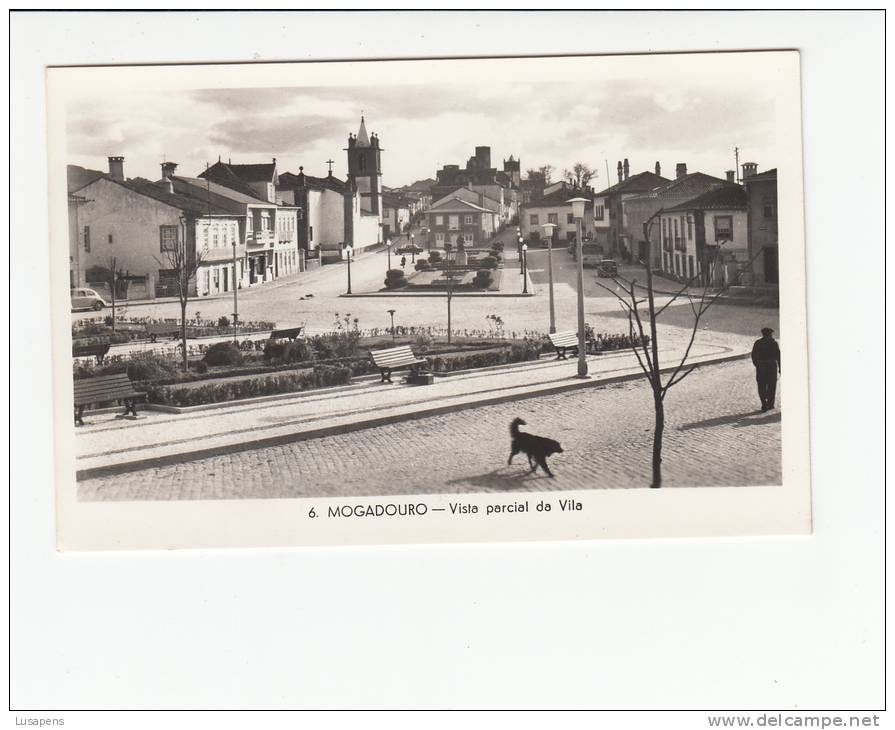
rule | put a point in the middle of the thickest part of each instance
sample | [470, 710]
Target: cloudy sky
[422, 127]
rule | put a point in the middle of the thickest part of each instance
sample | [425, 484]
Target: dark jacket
[766, 350]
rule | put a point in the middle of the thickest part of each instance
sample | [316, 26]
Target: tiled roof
[196, 187]
[559, 197]
[238, 177]
[176, 200]
[78, 176]
[290, 180]
[639, 183]
[693, 178]
[766, 175]
[728, 196]
[450, 205]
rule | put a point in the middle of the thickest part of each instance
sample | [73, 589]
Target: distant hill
[420, 186]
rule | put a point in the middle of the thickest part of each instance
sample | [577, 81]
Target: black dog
[536, 448]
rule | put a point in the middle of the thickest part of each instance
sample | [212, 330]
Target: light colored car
[86, 299]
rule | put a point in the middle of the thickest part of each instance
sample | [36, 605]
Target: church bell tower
[365, 169]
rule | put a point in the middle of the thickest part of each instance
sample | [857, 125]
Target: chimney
[168, 169]
[749, 169]
[620, 171]
[116, 168]
[680, 169]
[626, 168]
[731, 176]
[658, 169]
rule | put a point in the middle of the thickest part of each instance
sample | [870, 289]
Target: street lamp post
[578, 214]
[412, 250]
[524, 268]
[519, 252]
[349, 250]
[548, 231]
[235, 300]
[388, 248]
[391, 313]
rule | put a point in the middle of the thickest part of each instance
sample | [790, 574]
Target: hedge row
[249, 387]
[517, 352]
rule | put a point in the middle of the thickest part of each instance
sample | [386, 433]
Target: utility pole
[736, 157]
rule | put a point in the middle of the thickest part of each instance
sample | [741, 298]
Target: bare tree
[547, 172]
[580, 175]
[183, 261]
[647, 349]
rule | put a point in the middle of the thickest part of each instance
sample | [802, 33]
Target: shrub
[434, 257]
[223, 353]
[250, 387]
[516, 352]
[423, 341]
[394, 278]
[200, 366]
[223, 321]
[150, 366]
[421, 264]
[482, 278]
[489, 262]
[284, 352]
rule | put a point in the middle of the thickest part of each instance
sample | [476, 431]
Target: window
[533, 220]
[168, 238]
[570, 218]
[205, 236]
[769, 210]
[439, 220]
[723, 227]
[599, 212]
[250, 222]
[439, 238]
[86, 238]
[214, 236]
[310, 233]
[453, 222]
[362, 162]
[110, 239]
[468, 220]
[553, 218]
[689, 228]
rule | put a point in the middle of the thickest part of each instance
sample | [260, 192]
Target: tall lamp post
[235, 300]
[519, 251]
[412, 250]
[391, 313]
[578, 214]
[388, 248]
[349, 250]
[524, 268]
[548, 231]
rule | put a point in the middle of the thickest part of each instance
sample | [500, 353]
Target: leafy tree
[580, 175]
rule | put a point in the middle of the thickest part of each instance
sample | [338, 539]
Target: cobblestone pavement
[714, 436]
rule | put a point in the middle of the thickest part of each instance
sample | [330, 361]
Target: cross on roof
[330, 163]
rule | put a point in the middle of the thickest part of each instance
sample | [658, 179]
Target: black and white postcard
[447, 300]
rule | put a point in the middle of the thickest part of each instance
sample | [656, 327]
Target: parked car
[409, 248]
[607, 267]
[86, 299]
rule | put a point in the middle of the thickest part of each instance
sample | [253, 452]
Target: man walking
[766, 359]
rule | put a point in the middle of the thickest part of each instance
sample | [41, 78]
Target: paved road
[282, 303]
[714, 436]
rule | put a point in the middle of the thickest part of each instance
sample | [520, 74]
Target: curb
[139, 464]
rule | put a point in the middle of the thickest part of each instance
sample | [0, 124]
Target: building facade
[459, 223]
[705, 239]
[554, 208]
[762, 218]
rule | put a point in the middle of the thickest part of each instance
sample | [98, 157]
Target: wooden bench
[290, 333]
[395, 358]
[97, 351]
[563, 341]
[154, 329]
[104, 389]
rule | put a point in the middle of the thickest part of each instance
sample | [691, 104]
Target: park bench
[395, 358]
[104, 389]
[290, 333]
[97, 351]
[563, 341]
[154, 329]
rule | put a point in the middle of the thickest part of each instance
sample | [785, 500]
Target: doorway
[771, 265]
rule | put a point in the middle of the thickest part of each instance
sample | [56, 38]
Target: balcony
[259, 238]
